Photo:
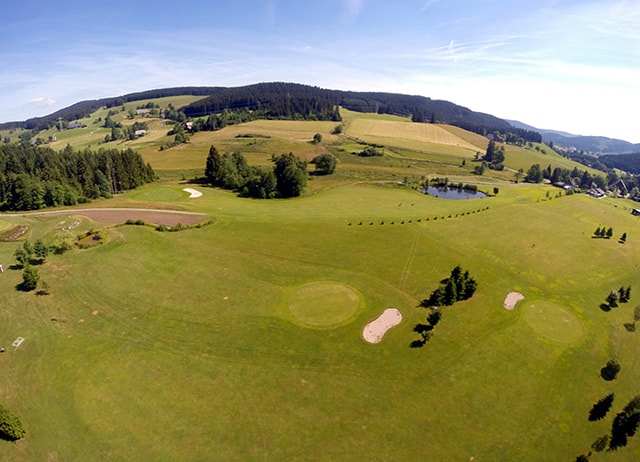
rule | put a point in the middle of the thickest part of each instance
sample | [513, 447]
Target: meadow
[211, 343]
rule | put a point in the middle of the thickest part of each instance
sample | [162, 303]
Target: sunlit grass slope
[166, 346]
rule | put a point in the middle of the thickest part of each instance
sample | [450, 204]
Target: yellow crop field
[290, 130]
[419, 137]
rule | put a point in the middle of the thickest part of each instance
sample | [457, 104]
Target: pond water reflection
[453, 193]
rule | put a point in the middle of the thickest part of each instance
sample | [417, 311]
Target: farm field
[213, 342]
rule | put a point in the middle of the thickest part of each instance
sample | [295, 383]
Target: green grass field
[242, 340]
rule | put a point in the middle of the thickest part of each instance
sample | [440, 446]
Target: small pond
[453, 193]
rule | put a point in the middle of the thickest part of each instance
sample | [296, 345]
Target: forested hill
[627, 162]
[279, 100]
[296, 101]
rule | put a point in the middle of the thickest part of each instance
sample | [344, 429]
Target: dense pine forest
[33, 178]
[627, 162]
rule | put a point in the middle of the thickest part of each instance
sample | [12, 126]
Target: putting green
[324, 304]
[553, 322]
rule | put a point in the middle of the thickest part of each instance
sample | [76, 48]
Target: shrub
[11, 428]
[610, 371]
[30, 278]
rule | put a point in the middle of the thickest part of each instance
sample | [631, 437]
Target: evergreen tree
[30, 278]
[40, 250]
[470, 287]
[491, 149]
[21, 256]
[450, 294]
[28, 248]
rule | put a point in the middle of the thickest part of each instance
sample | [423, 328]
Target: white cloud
[42, 102]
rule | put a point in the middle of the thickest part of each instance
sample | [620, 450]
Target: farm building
[594, 191]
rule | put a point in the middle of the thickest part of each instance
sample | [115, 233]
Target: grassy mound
[323, 304]
[553, 322]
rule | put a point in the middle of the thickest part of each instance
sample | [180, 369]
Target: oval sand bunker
[375, 330]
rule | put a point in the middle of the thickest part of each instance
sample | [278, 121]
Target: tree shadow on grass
[425, 332]
[601, 408]
[22, 287]
[605, 307]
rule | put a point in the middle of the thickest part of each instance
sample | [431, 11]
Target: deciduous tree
[325, 164]
[291, 175]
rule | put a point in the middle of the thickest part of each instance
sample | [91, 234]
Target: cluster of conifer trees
[288, 177]
[33, 178]
[271, 101]
[458, 286]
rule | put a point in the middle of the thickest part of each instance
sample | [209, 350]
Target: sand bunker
[512, 299]
[193, 193]
[375, 330]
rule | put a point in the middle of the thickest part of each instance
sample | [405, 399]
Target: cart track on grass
[121, 214]
[407, 266]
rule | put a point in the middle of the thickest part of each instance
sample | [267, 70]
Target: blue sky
[566, 65]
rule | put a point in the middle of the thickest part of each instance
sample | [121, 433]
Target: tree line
[32, 178]
[582, 178]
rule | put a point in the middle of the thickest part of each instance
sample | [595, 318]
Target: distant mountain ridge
[291, 100]
[598, 145]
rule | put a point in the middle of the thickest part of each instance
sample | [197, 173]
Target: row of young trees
[287, 178]
[33, 178]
